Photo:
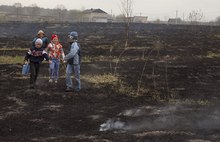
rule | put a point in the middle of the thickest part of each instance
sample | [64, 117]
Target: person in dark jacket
[43, 37]
[35, 56]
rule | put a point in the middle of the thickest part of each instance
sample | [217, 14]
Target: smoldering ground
[171, 117]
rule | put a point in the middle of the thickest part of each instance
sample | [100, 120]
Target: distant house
[95, 15]
[174, 21]
[140, 19]
[135, 19]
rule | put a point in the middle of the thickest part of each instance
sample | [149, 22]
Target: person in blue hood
[73, 63]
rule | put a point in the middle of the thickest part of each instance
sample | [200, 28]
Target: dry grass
[11, 59]
[190, 102]
[110, 81]
[100, 79]
[13, 49]
[211, 54]
[90, 59]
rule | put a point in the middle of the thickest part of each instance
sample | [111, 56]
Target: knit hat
[39, 41]
[40, 31]
[54, 36]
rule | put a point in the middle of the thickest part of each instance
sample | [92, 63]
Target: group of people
[53, 52]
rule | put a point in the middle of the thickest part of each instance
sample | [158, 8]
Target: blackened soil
[167, 63]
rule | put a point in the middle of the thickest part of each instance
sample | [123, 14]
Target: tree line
[59, 13]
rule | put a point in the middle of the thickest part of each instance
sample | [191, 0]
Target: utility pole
[183, 17]
[176, 15]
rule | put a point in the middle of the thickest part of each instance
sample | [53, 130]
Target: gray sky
[162, 9]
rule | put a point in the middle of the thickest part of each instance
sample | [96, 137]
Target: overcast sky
[162, 9]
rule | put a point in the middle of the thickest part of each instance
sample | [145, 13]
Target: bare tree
[119, 18]
[195, 16]
[18, 7]
[61, 11]
[75, 15]
[217, 21]
[35, 9]
[127, 11]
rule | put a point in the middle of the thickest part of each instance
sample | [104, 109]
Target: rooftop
[94, 11]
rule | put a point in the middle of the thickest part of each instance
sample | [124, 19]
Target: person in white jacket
[73, 63]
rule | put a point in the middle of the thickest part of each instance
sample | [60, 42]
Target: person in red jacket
[56, 54]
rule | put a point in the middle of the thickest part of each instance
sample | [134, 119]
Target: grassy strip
[211, 54]
[100, 79]
[13, 49]
[20, 59]
[190, 102]
[11, 60]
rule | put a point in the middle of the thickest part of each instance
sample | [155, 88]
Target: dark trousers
[34, 68]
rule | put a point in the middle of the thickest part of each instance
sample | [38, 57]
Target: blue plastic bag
[25, 69]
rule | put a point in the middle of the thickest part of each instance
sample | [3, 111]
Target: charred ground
[165, 86]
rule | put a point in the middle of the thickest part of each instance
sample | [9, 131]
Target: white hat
[39, 41]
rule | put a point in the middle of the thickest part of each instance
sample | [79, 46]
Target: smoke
[113, 124]
[178, 117]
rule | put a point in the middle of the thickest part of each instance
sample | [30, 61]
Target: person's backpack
[79, 53]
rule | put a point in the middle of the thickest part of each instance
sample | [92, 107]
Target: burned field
[163, 87]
